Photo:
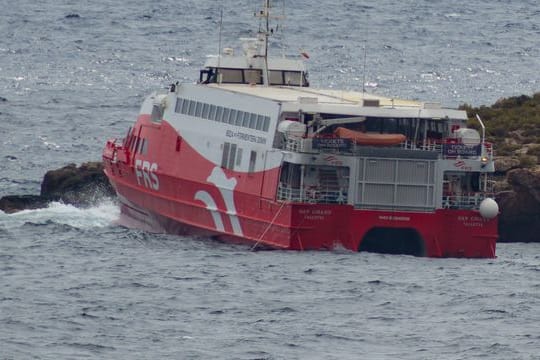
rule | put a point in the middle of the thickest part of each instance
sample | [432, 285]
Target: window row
[434, 129]
[222, 114]
[252, 76]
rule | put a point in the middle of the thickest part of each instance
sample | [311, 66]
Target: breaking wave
[104, 214]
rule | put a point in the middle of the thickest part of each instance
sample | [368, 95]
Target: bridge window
[234, 76]
[291, 78]
[275, 77]
[253, 76]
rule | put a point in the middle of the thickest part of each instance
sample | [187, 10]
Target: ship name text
[315, 214]
[471, 221]
[394, 218]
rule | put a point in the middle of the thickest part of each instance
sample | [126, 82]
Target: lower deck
[375, 182]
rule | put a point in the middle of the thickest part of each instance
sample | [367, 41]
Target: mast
[266, 35]
[263, 36]
[267, 30]
[219, 46]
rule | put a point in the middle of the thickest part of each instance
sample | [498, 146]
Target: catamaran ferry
[253, 153]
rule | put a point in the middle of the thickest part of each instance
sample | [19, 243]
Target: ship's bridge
[242, 70]
[252, 67]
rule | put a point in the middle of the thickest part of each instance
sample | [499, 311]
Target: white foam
[102, 215]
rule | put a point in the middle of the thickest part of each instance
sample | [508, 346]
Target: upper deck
[353, 103]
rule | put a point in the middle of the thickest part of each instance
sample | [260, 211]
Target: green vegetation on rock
[512, 124]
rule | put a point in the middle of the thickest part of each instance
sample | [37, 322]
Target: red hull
[180, 196]
[445, 233]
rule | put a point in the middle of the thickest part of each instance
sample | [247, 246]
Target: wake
[102, 215]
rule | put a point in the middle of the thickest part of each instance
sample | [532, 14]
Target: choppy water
[73, 284]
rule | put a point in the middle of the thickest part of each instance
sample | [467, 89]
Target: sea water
[76, 284]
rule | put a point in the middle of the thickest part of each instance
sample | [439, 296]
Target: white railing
[464, 201]
[311, 194]
[305, 145]
[409, 145]
[294, 144]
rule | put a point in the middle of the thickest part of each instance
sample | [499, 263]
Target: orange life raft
[362, 138]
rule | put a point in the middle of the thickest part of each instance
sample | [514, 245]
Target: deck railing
[447, 149]
[317, 195]
[464, 201]
[311, 194]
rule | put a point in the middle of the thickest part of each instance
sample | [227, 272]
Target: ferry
[252, 153]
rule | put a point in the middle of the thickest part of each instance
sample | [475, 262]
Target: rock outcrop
[512, 126]
[14, 203]
[503, 164]
[519, 220]
[81, 186]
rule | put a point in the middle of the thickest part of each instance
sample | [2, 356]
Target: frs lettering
[146, 174]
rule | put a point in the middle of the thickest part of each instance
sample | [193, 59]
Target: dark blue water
[73, 284]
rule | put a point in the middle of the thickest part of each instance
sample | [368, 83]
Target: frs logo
[146, 174]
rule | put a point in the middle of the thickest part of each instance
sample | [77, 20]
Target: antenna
[267, 30]
[365, 60]
[263, 36]
[219, 42]
[283, 45]
[267, 34]
[364, 70]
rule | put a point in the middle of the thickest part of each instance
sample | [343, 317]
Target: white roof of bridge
[244, 62]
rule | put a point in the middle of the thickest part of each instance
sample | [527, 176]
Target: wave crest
[104, 214]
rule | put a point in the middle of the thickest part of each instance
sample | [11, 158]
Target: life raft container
[362, 138]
